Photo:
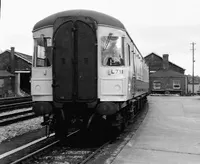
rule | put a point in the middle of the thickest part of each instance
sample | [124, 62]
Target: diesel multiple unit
[85, 66]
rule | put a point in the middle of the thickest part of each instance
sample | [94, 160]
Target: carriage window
[42, 52]
[129, 54]
[112, 51]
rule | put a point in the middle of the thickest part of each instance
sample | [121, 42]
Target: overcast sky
[159, 26]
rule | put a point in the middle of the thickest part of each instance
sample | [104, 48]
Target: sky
[159, 26]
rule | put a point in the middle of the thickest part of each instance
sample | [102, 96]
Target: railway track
[10, 104]
[29, 151]
[15, 103]
[81, 156]
[5, 101]
[69, 154]
[16, 117]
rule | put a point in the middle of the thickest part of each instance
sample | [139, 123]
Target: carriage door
[75, 65]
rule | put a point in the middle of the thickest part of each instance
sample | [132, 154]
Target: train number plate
[115, 72]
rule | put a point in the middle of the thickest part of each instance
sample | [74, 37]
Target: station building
[15, 73]
[165, 76]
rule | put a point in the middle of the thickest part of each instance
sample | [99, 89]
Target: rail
[7, 107]
[16, 117]
[15, 103]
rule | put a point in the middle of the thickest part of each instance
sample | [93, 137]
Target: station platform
[169, 134]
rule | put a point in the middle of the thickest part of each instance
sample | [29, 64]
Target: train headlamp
[117, 87]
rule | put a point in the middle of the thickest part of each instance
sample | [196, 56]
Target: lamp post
[193, 67]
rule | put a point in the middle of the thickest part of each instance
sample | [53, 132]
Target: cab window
[42, 52]
[112, 51]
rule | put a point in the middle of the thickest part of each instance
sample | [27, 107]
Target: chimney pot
[12, 59]
[165, 61]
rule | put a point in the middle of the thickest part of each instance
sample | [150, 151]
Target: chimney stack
[12, 60]
[165, 61]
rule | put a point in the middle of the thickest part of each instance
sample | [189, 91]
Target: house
[15, 73]
[165, 76]
[196, 84]
[155, 63]
[196, 88]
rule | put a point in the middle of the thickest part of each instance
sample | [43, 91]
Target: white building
[196, 87]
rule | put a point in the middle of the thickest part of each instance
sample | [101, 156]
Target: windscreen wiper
[107, 41]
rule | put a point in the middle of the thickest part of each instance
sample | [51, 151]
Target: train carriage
[85, 64]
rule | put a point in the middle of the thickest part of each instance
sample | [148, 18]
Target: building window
[176, 84]
[156, 85]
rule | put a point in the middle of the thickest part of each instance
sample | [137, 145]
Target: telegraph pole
[193, 67]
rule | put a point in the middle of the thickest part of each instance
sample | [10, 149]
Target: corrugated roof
[166, 73]
[100, 18]
[4, 73]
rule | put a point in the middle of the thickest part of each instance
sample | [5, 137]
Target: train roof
[100, 18]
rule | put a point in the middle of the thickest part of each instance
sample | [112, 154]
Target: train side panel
[41, 80]
[121, 83]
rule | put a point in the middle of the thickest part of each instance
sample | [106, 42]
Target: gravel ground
[17, 129]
